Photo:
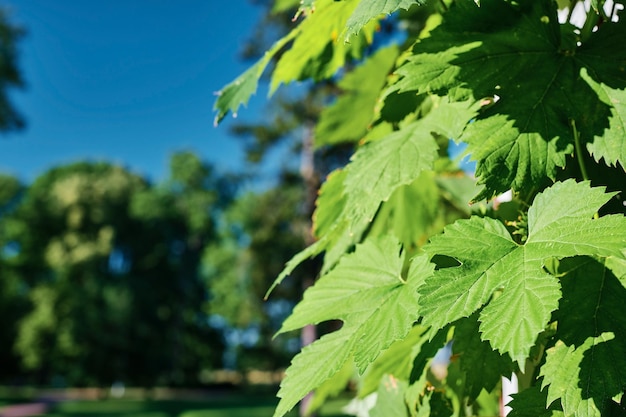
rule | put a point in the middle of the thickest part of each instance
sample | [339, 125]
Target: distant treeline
[105, 276]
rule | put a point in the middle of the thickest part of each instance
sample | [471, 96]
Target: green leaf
[316, 53]
[370, 9]
[360, 90]
[239, 91]
[477, 354]
[332, 387]
[311, 251]
[532, 403]
[396, 361]
[585, 378]
[515, 51]
[330, 222]
[377, 305]
[390, 398]
[378, 168]
[412, 212]
[611, 145]
[591, 296]
[604, 71]
[312, 367]
[506, 279]
[330, 203]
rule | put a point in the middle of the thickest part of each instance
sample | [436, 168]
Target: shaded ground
[216, 405]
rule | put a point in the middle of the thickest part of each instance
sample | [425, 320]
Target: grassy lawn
[232, 405]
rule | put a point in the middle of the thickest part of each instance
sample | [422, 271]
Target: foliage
[109, 264]
[10, 76]
[257, 234]
[533, 286]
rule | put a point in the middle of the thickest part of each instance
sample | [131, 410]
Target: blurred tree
[178, 218]
[13, 297]
[67, 225]
[10, 76]
[111, 263]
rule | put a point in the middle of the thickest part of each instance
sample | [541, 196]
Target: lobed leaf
[370, 9]
[514, 55]
[360, 90]
[367, 292]
[506, 280]
[585, 378]
[474, 354]
[315, 52]
[378, 168]
[238, 92]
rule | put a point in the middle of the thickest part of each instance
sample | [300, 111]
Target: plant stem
[579, 151]
[590, 23]
[572, 4]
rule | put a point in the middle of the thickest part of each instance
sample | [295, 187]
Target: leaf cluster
[533, 286]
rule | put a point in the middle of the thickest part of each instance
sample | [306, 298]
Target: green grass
[225, 406]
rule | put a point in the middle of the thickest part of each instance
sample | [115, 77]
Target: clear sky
[128, 81]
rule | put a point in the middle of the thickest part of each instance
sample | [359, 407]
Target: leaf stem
[572, 4]
[590, 23]
[579, 151]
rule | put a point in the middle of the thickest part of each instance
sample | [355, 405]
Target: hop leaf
[367, 292]
[514, 55]
[506, 280]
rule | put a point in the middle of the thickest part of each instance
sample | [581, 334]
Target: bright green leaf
[239, 91]
[390, 398]
[585, 378]
[312, 367]
[367, 292]
[507, 280]
[360, 91]
[330, 203]
[379, 167]
[513, 55]
[370, 9]
[316, 52]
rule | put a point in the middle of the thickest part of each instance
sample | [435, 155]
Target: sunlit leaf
[585, 378]
[370, 9]
[238, 92]
[513, 55]
[367, 291]
[506, 279]
[390, 398]
[360, 90]
[316, 52]
[381, 166]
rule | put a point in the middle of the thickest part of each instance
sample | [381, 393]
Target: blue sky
[125, 81]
